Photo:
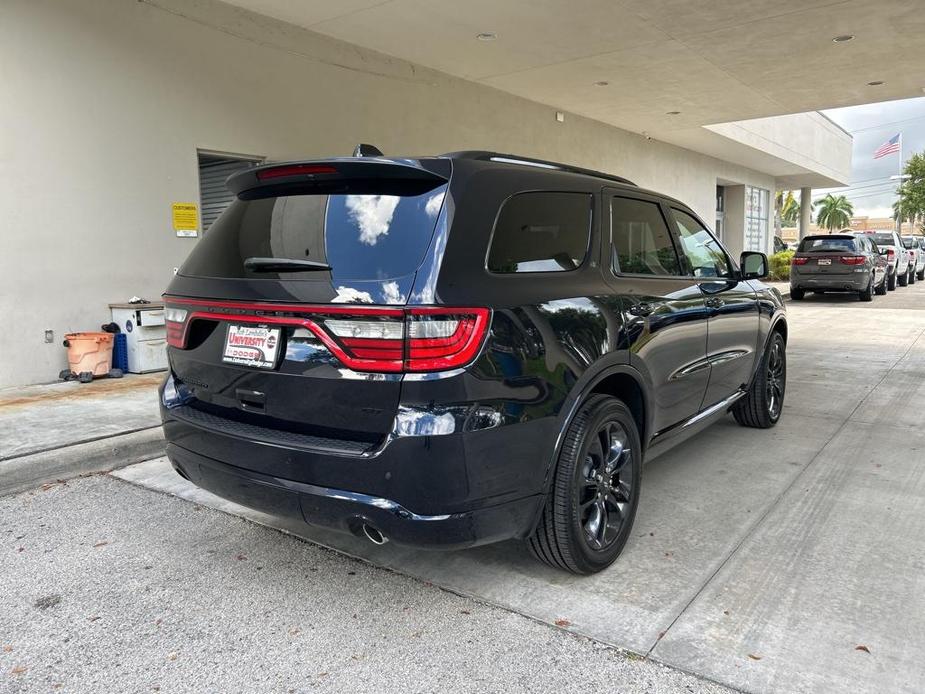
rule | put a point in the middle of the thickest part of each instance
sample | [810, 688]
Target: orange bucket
[89, 352]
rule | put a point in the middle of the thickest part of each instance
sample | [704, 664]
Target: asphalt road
[108, 587]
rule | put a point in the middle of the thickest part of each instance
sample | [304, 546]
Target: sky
[871, 190]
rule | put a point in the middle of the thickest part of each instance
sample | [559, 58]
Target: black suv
[461, 349]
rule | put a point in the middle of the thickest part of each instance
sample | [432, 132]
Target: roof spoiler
[341, 175]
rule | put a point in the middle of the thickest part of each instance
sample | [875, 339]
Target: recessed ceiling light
[486, 36]
[875, 83]
[843, 38]
[672, 113]
[601, 83]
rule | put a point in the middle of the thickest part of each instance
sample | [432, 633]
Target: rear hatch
[290, 314]
[827, 255]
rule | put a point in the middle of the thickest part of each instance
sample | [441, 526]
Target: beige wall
[104, 103]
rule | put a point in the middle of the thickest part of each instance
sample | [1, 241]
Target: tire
[867, 294]
[797, 294]
[881, 288]
[581, 490]
[758, 409]
[912, 276]
[903, 279]
[891, 281]
[921, 274]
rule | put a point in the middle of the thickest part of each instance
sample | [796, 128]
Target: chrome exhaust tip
[373, 535]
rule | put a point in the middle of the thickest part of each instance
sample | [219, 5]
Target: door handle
[714, 302]
[641, 309]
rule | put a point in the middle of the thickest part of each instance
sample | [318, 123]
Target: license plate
[251, 345]
[824, 261]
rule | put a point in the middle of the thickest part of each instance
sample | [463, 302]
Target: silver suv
[916, 247]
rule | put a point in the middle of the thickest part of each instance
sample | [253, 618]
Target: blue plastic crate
[120, 353]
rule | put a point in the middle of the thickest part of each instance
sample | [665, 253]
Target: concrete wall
[104, 103]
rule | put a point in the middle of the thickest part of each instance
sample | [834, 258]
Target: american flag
[888, 147]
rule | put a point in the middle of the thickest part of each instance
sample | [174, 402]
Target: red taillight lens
[295, 170]
[799, 261]
[890, 253]
[370, 339]
[440, 339]
[852, 260]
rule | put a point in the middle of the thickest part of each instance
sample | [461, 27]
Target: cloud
[372, 214]
[391, 293]
[349, 295]
[433, 204]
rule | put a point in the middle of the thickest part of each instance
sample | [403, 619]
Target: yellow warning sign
[185, 218]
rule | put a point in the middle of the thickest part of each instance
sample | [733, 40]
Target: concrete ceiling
[712, 60]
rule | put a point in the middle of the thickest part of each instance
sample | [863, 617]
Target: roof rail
[530, 161]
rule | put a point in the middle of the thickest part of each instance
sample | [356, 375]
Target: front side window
[704, 256]
[641, 241]
[541, 232]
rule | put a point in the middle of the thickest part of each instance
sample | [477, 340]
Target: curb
[31, 471]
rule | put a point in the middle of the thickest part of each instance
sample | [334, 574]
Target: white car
[916, 246]
[899, 269]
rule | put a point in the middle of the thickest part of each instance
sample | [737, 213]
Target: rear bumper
[854, 282]
[347, 511]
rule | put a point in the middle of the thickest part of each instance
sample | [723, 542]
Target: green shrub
[780, 265]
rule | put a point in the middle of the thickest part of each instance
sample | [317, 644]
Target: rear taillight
[176, 325]
[799, 261]
[364, 339]
[852, 260]
[890, 254]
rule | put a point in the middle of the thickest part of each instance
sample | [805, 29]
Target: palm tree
[834, 212]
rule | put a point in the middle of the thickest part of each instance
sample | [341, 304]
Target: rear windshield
[908, 242]
[362, 237]
[883, 239]
[825, 243]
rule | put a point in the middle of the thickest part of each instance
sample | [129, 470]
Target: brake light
[295, 170]
[890, 253]
[852, 260]
[373, 339]
[799, 261]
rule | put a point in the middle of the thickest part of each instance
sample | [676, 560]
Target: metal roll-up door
[214, 196]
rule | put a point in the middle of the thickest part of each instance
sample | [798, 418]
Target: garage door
[213, 172]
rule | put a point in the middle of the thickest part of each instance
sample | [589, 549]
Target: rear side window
[541, 232]
[362, 237]
[823, 244]
[641, 242]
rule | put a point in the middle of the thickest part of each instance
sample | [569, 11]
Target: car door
[732, 306]
[664, 311]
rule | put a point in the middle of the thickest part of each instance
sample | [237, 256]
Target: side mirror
[754, 265]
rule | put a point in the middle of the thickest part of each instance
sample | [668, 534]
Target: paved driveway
[782, 560]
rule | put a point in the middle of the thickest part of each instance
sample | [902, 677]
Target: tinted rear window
[883, 239]
[362, 237]
[541, 232]
[908, 242]
[822, 244]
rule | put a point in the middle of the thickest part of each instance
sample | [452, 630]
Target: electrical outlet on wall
[49, 336]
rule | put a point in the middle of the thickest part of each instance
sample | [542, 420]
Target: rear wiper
[283, 265]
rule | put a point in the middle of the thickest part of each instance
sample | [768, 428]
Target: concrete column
[806, 211]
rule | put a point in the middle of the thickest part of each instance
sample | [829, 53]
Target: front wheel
[912, 276]
[891, 281]
[881, 288]
[591, 504]
[921, 274]
[764, 401]
[903, 279]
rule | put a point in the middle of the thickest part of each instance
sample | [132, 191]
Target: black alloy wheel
[763, 402]
[591, 504]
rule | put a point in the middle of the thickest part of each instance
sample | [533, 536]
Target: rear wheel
[903, 279]
[797, 294]
[867, 294]
[763, 403]
[592, 501]
[891, 281]
[912, 276]
[921, 274]
[881, 288]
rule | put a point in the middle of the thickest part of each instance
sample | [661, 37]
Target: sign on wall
[186, 219]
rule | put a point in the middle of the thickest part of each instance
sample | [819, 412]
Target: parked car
[898, 266]
[458, 350]
[838, 263]
[916, 247]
